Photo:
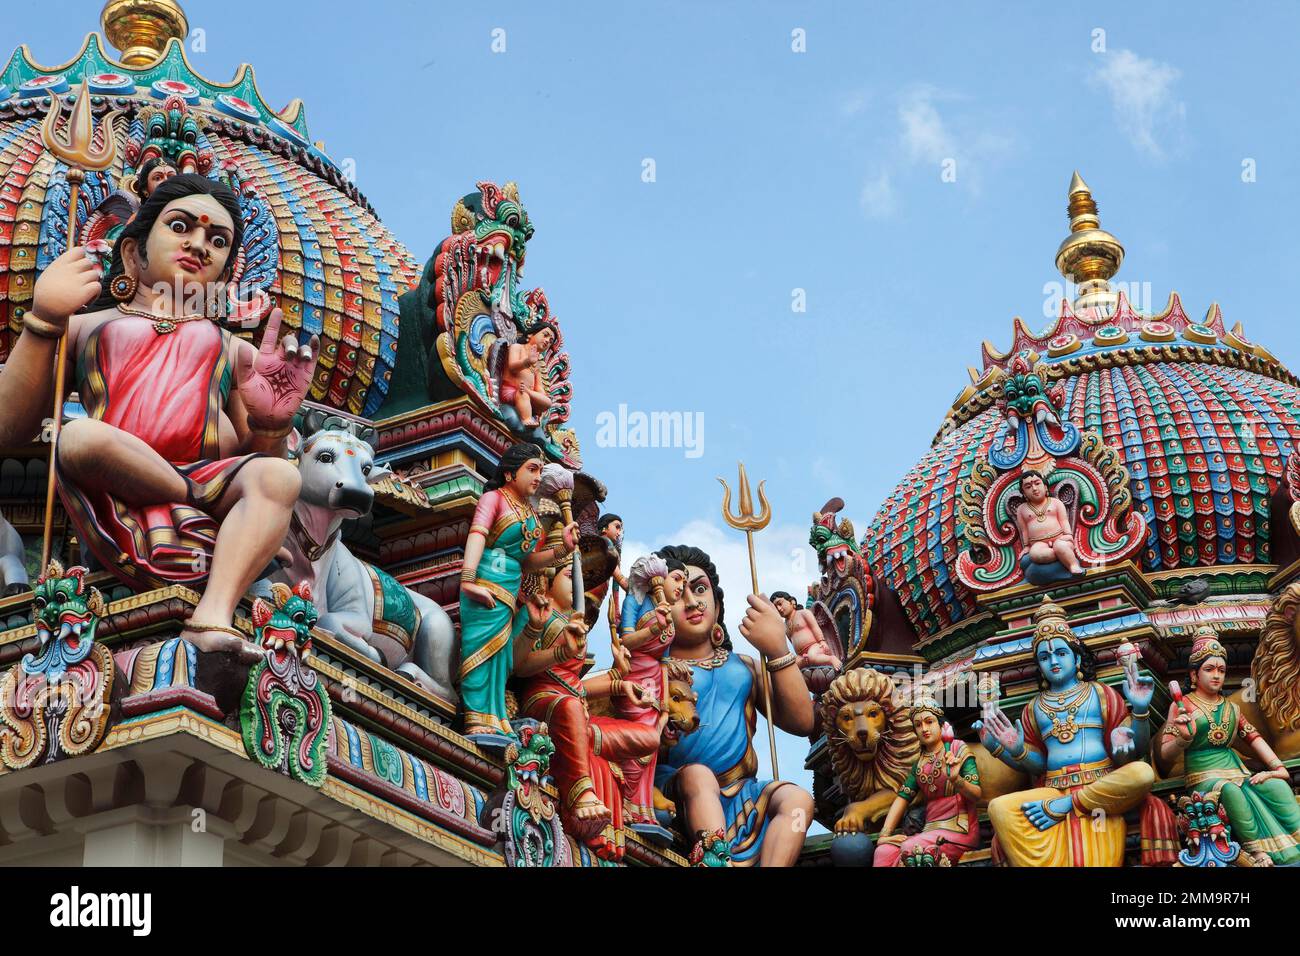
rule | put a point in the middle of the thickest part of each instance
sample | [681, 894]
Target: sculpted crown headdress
[1049, 622]
[925, 704]
[1205, 644]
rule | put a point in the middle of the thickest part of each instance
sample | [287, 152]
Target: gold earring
[123, 287]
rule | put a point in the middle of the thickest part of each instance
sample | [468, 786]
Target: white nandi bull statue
[363, 606]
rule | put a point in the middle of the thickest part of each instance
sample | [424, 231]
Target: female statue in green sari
[503, 544]
[1204, 725]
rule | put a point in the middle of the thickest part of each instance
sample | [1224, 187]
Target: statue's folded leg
[1078, 840]
[1118, 791]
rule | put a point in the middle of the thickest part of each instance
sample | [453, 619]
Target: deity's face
[187, 248]
[157, 176]
[1209, 677]
[527, 478]
[784, 607]
[542, 341]
[928, 729]
[1057, 662]
[614, 531]
[1034, 489]
[695, 613]
[561, 589]
[674, 585]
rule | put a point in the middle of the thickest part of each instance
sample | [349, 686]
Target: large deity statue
[1204, 726]
[503, 543]
[946, 781]
[550, 656]
[177, 474]
[711, 775]
[1083, 742]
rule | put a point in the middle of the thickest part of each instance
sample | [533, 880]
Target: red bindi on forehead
[348, 451]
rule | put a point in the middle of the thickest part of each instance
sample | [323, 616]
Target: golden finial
[1089, 255]
[141, 28]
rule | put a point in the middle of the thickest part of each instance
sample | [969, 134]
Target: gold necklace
[1064, 730]
[1040, 515]
[523, 513]
[719, 658]
[162, 325]
[1218, 729]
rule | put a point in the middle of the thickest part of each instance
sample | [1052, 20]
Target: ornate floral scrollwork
[285, 713]
[56, 703]
[1078, 468]
[483, 320]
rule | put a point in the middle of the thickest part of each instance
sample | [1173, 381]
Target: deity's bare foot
[223, 640]
[590, 815]
[531, 423]
[1045, 814]
[1261, 859]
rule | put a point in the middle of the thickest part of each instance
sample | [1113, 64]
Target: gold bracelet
[559, 654]
[467, 575]
[41, 328]
[782, 662]
[269, 432]
[615, 687]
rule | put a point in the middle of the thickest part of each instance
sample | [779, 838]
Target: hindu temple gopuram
[300, 565]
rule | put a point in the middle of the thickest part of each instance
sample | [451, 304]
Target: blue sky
[778, 171]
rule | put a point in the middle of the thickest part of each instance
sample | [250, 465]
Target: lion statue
[1272, 704]
[682, 718]
[873, 747]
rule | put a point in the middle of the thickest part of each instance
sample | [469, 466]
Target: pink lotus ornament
[946, 735]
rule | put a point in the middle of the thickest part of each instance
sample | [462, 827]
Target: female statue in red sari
[178, 472]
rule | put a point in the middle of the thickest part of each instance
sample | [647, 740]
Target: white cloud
[923, 135]
[930, 141]
[1142, 94]
[878, 200]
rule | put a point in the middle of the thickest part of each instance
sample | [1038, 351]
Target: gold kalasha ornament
[141, 28]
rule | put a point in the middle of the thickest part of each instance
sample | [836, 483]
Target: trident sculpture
[749, 522]
[82, 147]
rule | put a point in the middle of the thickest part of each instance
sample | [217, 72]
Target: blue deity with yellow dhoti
[1083, 742]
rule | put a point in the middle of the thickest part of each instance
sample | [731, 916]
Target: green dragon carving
[285, 711]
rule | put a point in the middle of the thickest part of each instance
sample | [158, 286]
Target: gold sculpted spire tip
[141, 28]
[1089, 255]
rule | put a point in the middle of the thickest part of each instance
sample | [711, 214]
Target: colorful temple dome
[1203, 419]
[313, 243]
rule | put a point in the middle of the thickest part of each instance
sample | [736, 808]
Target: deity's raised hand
[1122, 740]
[1139, 694]
[274, 378]
[995, 728]
[763, 627]
[69, 283]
